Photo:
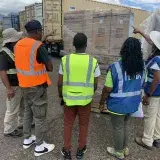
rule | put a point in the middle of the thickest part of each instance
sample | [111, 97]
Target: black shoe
[80, 153]
[15, 134]
[156, 143]
[67, 155]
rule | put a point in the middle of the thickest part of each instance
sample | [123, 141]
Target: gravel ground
[100, 133]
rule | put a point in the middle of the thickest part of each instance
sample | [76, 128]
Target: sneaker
[43, 149]
[112, 152]
[80, 153]
[126, 151]
[66, 155]
[156, 143]
[29, 142]
[139, 141]
[15, 134]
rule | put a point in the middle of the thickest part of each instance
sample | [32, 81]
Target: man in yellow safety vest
[78, 78]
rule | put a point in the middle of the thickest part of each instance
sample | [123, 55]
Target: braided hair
[132, 57]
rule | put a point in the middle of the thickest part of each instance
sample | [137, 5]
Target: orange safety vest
[30, 73]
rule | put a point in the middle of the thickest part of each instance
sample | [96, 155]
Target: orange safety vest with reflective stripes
[30, 73]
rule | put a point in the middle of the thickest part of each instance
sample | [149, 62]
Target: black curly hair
[132, 57]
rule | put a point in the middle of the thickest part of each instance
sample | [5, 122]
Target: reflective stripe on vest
[143, 77]
[12, 71]
[150, 73]
[31, 72]
[78, 97]
[151, 61]
[120, 77]
[120, 85]
[11, 55]
[127, 94]
[79, 84]
[150, 80]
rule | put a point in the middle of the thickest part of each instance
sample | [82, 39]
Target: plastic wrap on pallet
[152, 23]
[106, 31]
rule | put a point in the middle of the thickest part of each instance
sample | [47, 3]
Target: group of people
[24, 63]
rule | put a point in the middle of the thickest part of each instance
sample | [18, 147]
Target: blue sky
[149, 5]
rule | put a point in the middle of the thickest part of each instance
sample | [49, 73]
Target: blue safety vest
[126, 94]
[150, 76]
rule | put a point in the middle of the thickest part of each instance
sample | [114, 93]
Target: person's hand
[136, 30]
[145, 100]
[62, 102]
[10, 93]
[52, 33]
[101, 107]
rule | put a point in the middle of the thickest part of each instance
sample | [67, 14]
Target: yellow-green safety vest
[78, 79]
[11, 55]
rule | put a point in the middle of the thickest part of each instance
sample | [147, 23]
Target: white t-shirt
[97, 72]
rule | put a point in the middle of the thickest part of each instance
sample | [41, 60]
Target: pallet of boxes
[106, 31]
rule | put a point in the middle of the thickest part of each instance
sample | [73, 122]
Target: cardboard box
[106, 31]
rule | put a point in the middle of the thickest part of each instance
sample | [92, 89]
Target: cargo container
[30, 14]
[53, 20]
[22, 20]
[34, 11]
[11, 21]
[38, 12]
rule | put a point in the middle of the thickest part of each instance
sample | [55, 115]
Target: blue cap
[33, 25]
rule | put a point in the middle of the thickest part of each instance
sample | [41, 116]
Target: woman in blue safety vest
[151, 99]
[122, 93]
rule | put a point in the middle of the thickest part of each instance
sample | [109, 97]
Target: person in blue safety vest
[151, 99]
[122, 93]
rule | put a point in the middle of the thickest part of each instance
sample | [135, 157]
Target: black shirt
[7, 63]
[42, 55]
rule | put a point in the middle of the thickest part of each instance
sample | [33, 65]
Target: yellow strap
[9, 53]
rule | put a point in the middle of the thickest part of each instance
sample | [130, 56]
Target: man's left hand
[52, 33]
